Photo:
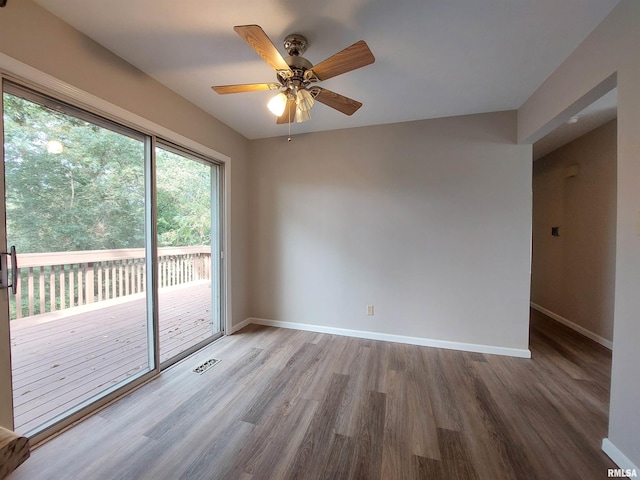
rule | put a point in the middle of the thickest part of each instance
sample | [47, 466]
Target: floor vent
[206, 366]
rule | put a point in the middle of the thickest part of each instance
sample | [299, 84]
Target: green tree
[184, 200]
[89, 196]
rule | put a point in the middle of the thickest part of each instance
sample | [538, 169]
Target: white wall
[38, 39]
[611, 49]
[429, 221]
[573, 275]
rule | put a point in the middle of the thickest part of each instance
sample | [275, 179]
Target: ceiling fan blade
[249, 87]
[289, 114]
[341, 103]
[356, 56]
[260, 42]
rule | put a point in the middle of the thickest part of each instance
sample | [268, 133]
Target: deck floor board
[60, 359]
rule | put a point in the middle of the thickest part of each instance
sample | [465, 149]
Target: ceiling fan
[297, 77]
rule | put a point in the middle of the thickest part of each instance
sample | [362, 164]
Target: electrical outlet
[369, 310]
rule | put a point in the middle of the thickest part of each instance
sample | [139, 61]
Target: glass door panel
[188, 273]
[75, 210]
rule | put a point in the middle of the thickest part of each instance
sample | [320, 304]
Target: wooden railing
[52, 281]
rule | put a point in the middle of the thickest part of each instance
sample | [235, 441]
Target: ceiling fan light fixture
[302, 115]
[277, 104]
[304, 100]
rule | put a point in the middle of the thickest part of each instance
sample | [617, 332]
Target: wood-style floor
[285, 404]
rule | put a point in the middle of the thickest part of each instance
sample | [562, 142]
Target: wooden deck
[60, 359]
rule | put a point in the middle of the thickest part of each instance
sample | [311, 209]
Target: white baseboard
[581, 330]
[426, 342]
[240, 326]
[617, 456]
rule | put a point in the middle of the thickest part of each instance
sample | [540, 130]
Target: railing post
[72, 284]
[62, 289]
[89, 284]
[30, 290]
[18, 296]
[99, 272]
[52, 288]
[120, 279]
[139, 276]
[43, 294]
[81, 270]
[114, 292]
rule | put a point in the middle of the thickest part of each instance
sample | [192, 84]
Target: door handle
[4, 270]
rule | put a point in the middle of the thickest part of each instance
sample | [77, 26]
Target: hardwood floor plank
[287, 384]
[213, 461]
[339, 458]
[396, 452]
[512, 451]
[456, 462]
[378, 367]
[422, 434]
[366, 463]
[333, 352]
[444, 403]
[518, 430]
[478, 419]
[312, 454]
[271, 448]
[355, 393]
[426, 468]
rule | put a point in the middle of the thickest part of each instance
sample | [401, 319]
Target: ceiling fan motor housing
[295, 44]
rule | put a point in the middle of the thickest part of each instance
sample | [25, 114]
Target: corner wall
[573, 274]
[610, 50]
[429, 221]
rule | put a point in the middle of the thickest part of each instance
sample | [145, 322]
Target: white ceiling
[434, 58]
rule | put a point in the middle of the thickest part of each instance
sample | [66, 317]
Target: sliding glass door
[188, 267]
[117, 271]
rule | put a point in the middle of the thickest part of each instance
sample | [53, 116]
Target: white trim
[568, 323]
[617, 456]
[225, 247]
[240, 326]
[389, 337]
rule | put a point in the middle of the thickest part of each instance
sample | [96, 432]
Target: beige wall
[573, 275]
[611, 49]
[429, 221]
[34, 37]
